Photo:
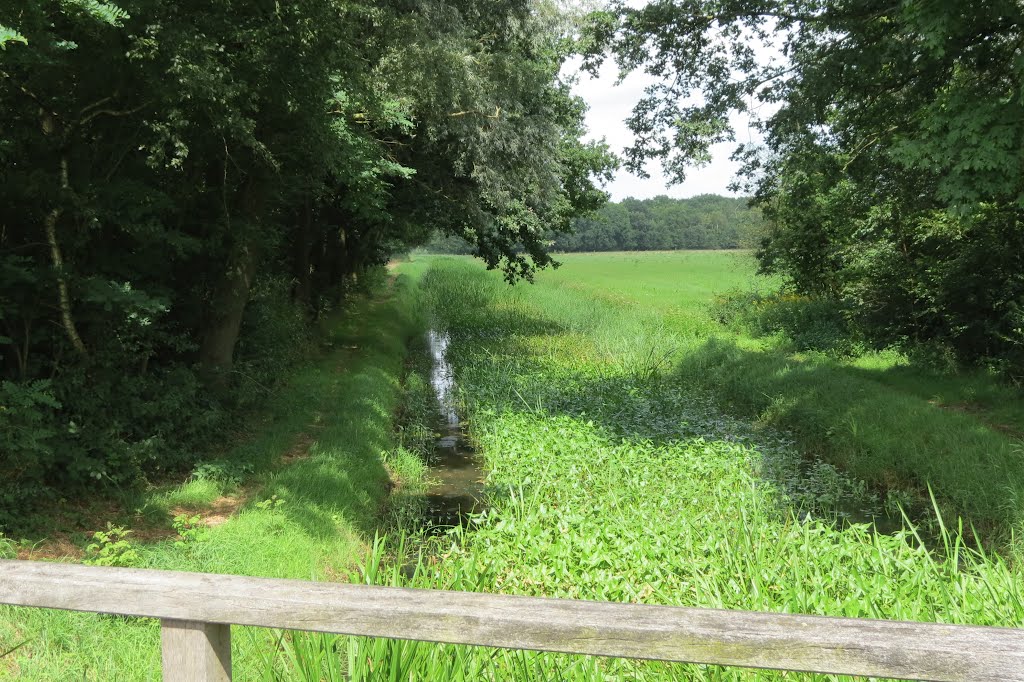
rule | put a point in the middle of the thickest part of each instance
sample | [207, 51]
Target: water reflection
[459, 479]
[442, 378]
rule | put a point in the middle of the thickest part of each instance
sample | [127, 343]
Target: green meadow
[900, 427]
[668, 280]
[636, 449]
[622, 465]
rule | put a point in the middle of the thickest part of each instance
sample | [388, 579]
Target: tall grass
[610, 479]
[892, 439]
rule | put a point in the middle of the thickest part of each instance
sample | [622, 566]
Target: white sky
[610, 105]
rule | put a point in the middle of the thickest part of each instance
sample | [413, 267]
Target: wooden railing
[197, 611]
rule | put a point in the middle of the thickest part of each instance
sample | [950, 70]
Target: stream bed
[455, 468]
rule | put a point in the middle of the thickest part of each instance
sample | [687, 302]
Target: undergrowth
[304, 493]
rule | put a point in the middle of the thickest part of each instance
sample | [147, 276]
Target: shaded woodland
[185, 187]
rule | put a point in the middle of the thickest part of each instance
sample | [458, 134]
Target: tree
[703, 222]
[167, 166]
[892, 155]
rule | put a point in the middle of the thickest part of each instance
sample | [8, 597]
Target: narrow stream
[459, 486]
[458, 475]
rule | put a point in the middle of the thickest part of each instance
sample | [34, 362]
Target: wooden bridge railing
[197, 611]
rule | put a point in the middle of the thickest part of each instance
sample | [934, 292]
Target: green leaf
[104, 12]
[9, 35]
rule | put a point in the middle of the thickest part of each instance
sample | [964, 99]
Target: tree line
[186, 185]
[708, 221]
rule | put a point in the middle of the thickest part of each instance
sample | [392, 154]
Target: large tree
[166, 161]
[891, 167]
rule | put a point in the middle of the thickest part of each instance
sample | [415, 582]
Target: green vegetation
[204, 364]
[300, 495]
[618, 470]
[613, 476]
[793, 365]
[704, 222]
[889, 173]
[186, 186]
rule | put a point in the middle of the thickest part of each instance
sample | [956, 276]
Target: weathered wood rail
[197, 611]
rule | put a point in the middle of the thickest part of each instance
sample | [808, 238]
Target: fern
[104, 12]
[9, 35]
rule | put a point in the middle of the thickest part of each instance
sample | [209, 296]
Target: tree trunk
[56, 257]
[224, 319]
[303, 292]
[224, 316]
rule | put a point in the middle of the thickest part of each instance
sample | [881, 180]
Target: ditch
[457, 488]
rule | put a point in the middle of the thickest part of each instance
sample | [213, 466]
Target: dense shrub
[27, 440]
[275, 336]
[931, 282]
[98, 427]
[114, 420]
[956, 290]
[809, 323]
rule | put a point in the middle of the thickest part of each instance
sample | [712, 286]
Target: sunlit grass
[313, 479]
[637, 451]
[898, 426]
[612, 479]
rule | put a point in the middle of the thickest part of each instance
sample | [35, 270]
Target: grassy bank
[636, 451]
[300, 496]
[610, 478]
[898, 426]
[899, 440]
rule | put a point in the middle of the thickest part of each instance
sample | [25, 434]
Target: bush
[133, 409]
[97, 426]
[275, 336]
[28, 430]
[809, 323]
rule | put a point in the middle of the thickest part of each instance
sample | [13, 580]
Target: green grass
[613, 476]
[975, 394]
[899, 427]
[312, 517]
[636, 450]
[666, 280]
[891, 437]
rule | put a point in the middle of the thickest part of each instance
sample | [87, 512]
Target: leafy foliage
[609, 486]
[808, 323]
[186, 185]
[890, 169]
[703, 222]
[111, 547]
[9, 35]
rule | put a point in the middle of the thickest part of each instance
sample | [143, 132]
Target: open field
[668, 280]
[897, 426]
[616, 474]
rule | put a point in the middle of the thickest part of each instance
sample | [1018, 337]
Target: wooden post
[195, 652]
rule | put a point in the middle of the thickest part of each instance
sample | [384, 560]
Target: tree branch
[496, 114]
